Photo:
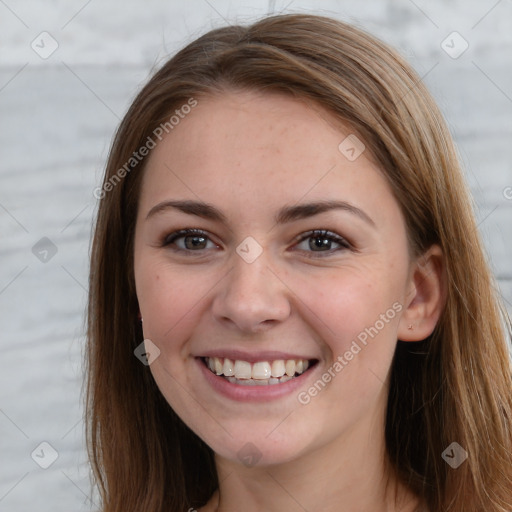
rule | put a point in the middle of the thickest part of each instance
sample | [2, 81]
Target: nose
[252, 297]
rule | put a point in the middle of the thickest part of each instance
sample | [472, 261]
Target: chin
[251, 446]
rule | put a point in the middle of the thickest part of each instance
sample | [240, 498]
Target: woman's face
[298, 265]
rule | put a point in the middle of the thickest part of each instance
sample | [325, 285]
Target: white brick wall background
[58, 115]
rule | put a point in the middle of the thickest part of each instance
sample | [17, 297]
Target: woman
[284, 223]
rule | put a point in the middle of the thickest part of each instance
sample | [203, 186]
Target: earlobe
[425, 301]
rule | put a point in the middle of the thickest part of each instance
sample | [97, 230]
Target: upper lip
[253, 357]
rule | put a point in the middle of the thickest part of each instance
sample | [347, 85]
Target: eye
[321, 241]
[190, 240]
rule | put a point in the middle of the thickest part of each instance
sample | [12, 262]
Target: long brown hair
[456, 386]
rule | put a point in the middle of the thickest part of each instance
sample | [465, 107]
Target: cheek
[355, 313]
[169, 299]
[349, 302]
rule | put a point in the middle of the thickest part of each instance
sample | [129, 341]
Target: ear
[426, 298]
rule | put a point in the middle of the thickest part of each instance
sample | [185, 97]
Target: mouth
[259, 373]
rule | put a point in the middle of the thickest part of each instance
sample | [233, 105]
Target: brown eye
[321, 241]
[189, 240]
[195, 242]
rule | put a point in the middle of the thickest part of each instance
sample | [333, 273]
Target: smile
[260, 373]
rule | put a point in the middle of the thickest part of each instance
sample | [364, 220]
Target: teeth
[254, 382]
[278, 368]
[261, 370]
[243, 370]
[218, 365]
[229, 368]
[289, 366]
[260, 373]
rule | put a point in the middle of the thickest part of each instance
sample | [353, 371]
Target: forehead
[251, 150]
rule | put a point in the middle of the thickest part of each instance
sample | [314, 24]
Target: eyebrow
[285, 214]
[303, 211]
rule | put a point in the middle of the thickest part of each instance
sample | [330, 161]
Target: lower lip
[256, 393]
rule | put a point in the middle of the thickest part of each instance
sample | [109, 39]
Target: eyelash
[316, 233]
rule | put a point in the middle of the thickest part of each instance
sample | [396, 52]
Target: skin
[250, 154]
